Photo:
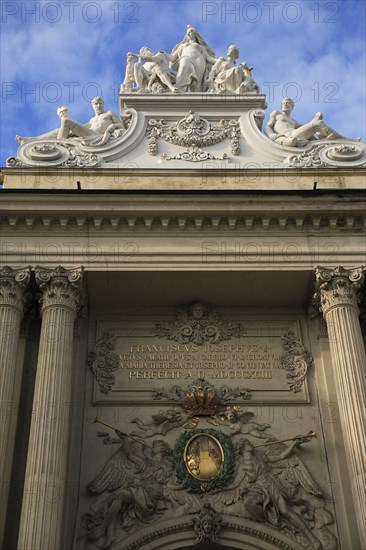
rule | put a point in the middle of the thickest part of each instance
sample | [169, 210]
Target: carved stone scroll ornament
[52, 152]
[104, 362]
[295, 361]
[195, 154]
[324, 155]
[207, 525]
[192, 131]
[197, 324]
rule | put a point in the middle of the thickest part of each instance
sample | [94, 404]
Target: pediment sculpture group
[191, 67]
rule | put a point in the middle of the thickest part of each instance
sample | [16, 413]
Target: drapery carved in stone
[104, 362]
[61, 287]
[13, 282]
[193, 131]
[337, 286]
[295, 361]
[197, 324]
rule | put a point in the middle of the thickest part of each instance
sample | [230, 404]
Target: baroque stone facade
[199, 374]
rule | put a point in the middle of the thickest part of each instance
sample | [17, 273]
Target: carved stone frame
[236, 534]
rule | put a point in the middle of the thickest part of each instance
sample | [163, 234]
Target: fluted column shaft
[46, 472]
[12, 285]
[337, 294]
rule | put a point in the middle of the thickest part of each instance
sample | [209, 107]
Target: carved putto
[197, 324]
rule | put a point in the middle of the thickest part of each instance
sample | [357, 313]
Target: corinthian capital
[338, 286]
[12, 285]
[60, 287]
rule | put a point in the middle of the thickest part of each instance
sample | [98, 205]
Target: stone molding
[246, 531]
[338, 287]
[13, 282]
[199, 213]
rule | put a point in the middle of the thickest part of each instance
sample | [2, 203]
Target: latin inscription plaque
[136, 355]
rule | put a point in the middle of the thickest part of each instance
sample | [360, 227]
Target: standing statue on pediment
[98, 131]
[227, 76]
[151, 76]
[192, 58]
[285, 130]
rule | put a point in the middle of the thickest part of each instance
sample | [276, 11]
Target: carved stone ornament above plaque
[193, 132]
[198, 324]
[158, 357]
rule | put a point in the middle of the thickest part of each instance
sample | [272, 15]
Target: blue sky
[65, 52]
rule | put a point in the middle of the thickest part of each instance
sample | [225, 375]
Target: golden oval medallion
[204, 456]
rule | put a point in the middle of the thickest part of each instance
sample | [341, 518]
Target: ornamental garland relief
[193, 132]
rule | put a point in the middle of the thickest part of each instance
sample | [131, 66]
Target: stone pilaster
[46, 473]
[337, 297]
[12, 285]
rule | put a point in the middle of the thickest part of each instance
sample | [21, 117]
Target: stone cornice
[176, 212]
[153, 103]
[210, 176]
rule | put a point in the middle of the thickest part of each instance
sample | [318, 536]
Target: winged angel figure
[275, 487]
[162, 423]
[131, 483]
[243, 423]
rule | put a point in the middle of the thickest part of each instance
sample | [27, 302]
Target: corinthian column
[46, 473]
[12, 285]
[337, 297]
